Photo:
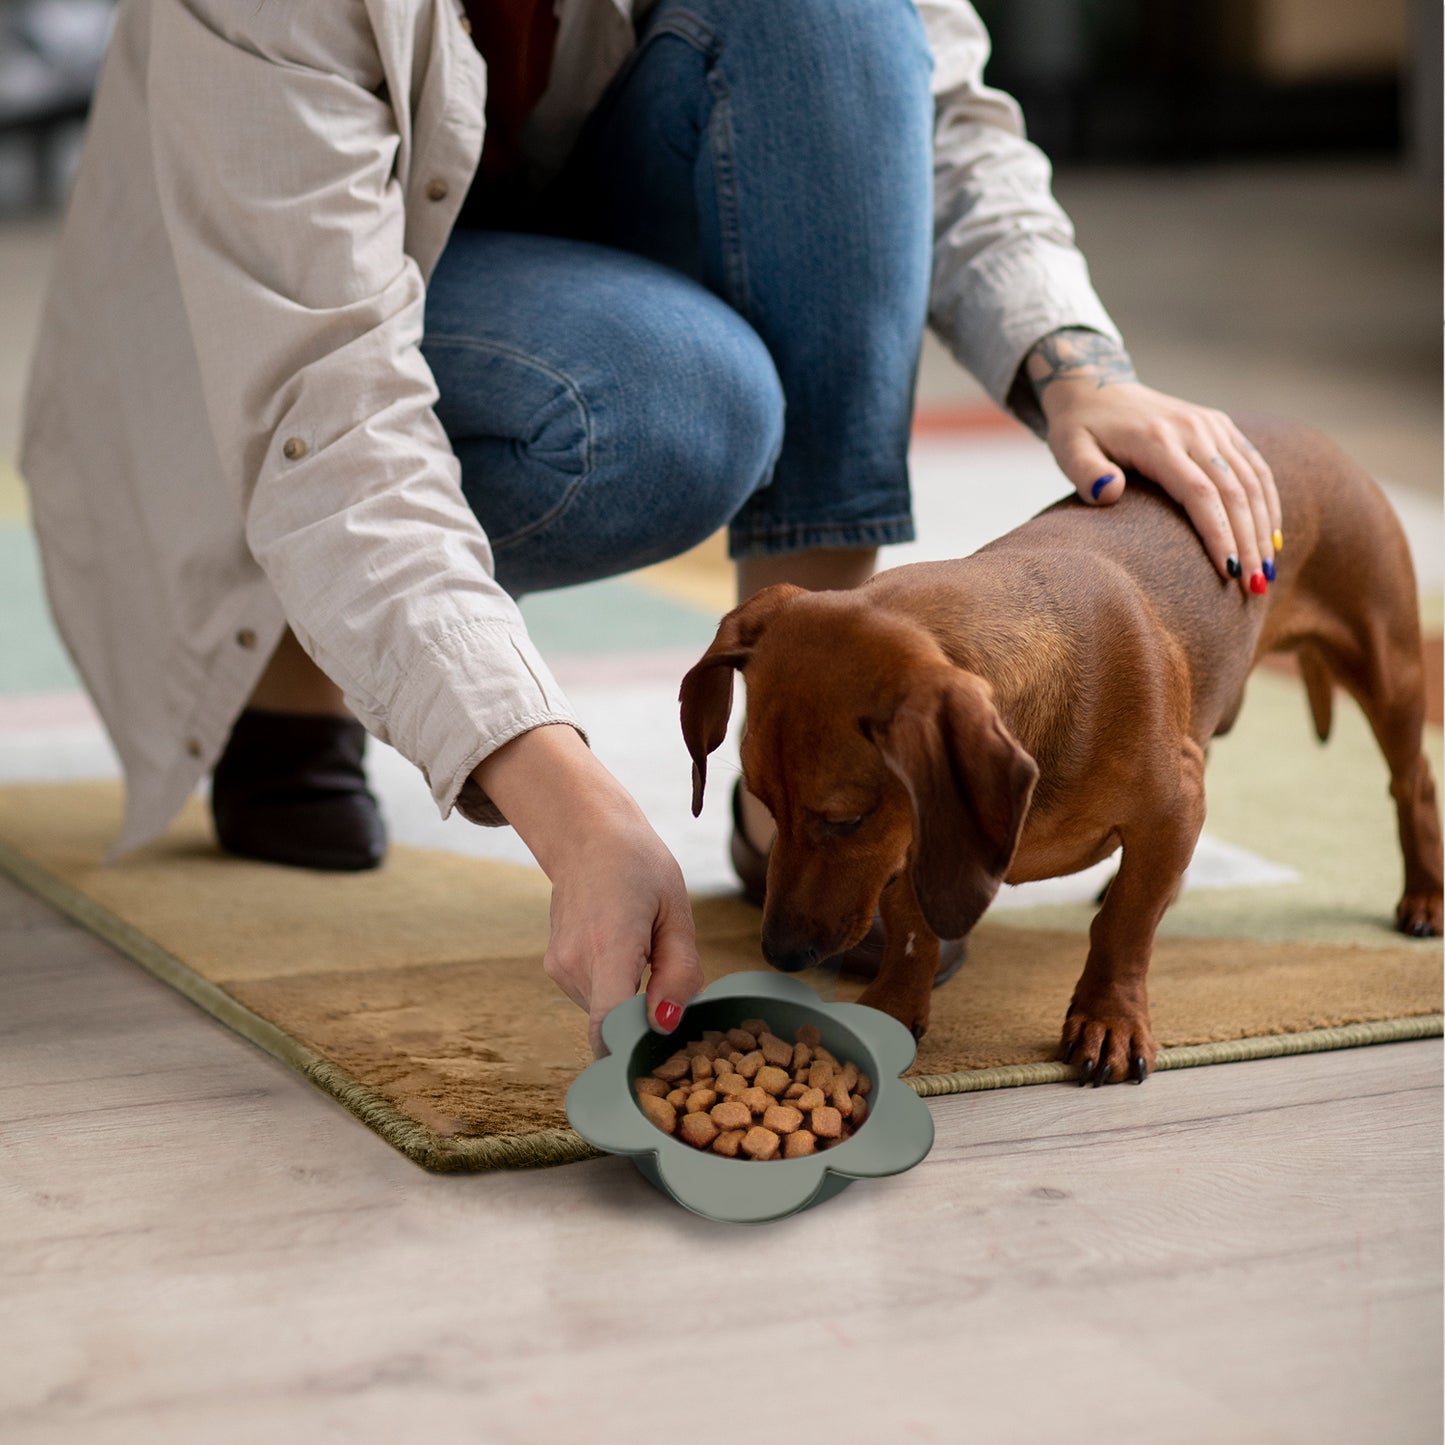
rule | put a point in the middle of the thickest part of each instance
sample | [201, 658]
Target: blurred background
[1256, 184]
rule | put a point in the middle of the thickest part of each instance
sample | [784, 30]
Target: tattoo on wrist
[1075, 354]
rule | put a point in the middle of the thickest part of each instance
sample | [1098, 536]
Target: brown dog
[1021, 713]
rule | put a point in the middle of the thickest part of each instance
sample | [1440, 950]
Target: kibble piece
[678, 1097]
[798, 1143]
[722, 1065]
[821, 1053]
[698, 1129]
[712, 1036]
[659, 1111]
[781, 1118]
[820, 1075]
[850, 1076]
[656, 1087]
[693, 1049]
[673, 1068]
[731, 1115]
[742, 1039]
[750, 1063]
[811, 1099]
[728, 1141]
[729, 1086]
[860, 1110]
[701, 1067]
[756, 1027]
[864, 1085]
[734, 1057]
[840, 1098]
[808, 1034]
[826, 1123]
[701, 1100]
[793, 1091]
[756, 1099]
[775, 1051]
[772, 1080]
[802, 1056]
[760, 1143]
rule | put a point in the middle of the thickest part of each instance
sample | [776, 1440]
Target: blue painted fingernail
[1100, 485]
[1268, 571]
[1231, 565]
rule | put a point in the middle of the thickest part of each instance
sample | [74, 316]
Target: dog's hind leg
[1384, 672]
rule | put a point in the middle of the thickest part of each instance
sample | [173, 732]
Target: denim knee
[887, 36]
[684, 423]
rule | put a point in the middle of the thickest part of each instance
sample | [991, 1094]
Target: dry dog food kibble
[748, 1094]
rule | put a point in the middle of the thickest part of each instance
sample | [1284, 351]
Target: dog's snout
[789, 960]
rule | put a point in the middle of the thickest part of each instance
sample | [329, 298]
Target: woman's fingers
[1194, 453]
[1227, 461]
[1220, 509]
[1082, 461]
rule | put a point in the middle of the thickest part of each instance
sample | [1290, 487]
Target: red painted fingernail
[1257, 583]
[668, 1014]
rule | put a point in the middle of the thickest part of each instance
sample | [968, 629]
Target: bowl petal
[897, 1134]
[738, 1191]
[897, 1048]
[625, 1024]
[599, 1108]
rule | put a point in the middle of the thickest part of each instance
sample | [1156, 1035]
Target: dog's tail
[1320, 689]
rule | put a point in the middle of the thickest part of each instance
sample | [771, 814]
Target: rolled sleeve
[1006, 271]
[277, 166]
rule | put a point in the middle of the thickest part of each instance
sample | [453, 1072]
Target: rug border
[472, 1153]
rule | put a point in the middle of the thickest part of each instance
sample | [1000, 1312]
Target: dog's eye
[840, 827]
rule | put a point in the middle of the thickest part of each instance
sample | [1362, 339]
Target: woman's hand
[1101, 420]
[619, 903]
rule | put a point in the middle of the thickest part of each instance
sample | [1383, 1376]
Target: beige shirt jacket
[229, 423]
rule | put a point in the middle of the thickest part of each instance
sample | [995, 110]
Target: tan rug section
[416, 996]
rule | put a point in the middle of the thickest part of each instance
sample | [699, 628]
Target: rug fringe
[1189, 1056]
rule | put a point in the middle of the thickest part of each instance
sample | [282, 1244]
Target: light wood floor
[197, 1246]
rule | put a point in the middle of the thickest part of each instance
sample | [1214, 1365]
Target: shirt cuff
[471, 691]
[1004, 305]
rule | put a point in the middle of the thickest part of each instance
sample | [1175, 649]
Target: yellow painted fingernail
[1278, 540]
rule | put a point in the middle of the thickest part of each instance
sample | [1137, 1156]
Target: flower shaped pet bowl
[602, 1103]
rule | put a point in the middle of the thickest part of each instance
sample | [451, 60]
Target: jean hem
[776, 540]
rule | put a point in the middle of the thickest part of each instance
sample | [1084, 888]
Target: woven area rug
[415, 994]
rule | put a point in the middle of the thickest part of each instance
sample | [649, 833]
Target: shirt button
[245, 638]
[294, 449]
[437, 190]
[193, 747]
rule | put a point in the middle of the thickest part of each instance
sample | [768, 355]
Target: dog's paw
[913, 1017]
[1420, 915]
[1108, 1050]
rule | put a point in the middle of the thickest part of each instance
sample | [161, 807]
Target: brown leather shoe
[864, 959]
[290, 789]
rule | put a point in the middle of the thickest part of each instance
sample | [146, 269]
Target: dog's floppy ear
[707, 690]
[970, 783]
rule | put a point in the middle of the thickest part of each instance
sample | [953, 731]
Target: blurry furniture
[50, 54]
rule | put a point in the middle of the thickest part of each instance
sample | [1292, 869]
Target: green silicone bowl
[897, 1134]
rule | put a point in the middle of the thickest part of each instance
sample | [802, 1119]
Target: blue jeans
[714, 316]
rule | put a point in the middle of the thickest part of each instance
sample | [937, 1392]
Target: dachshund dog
[1023, 712]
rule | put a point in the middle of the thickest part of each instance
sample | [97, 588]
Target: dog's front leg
[904, 985]
[1106, 1032]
